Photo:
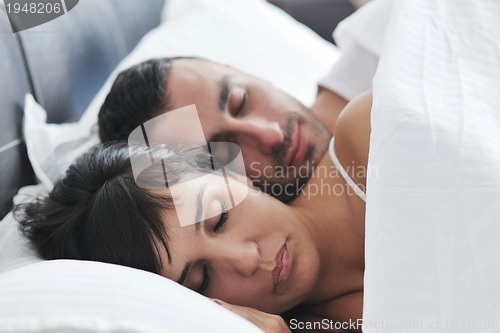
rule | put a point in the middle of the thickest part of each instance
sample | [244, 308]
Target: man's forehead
[202, 67]
[199, 82]
[191, 79]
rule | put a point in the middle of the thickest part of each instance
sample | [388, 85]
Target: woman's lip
[283, 265]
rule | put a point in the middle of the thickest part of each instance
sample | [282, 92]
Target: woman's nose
[240, 258]
[268, 134]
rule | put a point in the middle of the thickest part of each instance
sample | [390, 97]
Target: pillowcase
[83, 296]
[15, 250]
[252, 35]
[52, 148]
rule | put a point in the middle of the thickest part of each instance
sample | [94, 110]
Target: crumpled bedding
[433, 192]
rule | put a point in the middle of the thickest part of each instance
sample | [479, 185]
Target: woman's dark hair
[98, 212]
[137, 95]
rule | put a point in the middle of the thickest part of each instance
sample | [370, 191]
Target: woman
[304, 260]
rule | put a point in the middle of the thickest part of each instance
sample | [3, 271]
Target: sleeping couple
[298, 255]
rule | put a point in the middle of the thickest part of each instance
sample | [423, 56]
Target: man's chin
[282, 190]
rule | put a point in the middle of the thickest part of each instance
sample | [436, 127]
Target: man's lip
[301, 148]
[283, 265]
[298, 148]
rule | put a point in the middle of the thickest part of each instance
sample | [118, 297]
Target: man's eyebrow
[199, 207]
[224, 91]
[184, 273]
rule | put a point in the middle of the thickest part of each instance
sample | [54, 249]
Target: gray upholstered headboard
[63, 63]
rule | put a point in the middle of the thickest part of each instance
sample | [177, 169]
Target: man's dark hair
[98, 212]
[138, 94]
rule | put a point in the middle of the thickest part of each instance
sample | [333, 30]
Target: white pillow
[83, 296]
[53, 148]
[15, 250]
[252, 35]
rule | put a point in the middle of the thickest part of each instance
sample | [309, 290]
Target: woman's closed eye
[238, 101]
[222, 217]
[205, 282]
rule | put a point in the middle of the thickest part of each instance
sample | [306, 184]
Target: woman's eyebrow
[199, 207]
[197, 224]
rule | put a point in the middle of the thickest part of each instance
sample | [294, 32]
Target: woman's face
[256, 254]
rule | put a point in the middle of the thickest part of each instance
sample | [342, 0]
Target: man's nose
[268, 134]
[240, 258]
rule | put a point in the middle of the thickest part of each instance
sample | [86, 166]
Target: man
[281, 140]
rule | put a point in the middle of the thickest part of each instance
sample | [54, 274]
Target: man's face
[281, 140]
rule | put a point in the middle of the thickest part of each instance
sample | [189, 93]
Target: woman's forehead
[193, 199]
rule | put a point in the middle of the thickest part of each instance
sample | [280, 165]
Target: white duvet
[433, 209]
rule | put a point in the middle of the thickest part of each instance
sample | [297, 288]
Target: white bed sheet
[432, 219]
